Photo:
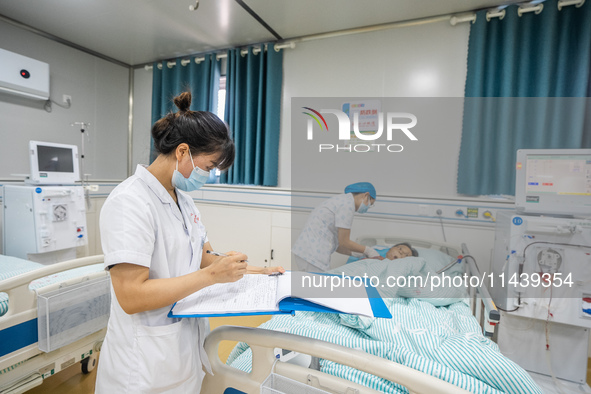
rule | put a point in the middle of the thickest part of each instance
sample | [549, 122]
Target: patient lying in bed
[431, 330]
[397, 251]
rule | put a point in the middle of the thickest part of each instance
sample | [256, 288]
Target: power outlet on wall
[67, 99]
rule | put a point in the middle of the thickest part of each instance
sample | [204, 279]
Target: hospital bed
[371, 358]
[481, 303]
[51, 317]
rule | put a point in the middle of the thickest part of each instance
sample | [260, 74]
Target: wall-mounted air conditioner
[23, 76]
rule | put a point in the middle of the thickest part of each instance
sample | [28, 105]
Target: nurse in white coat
[328, 229]
[155, 247]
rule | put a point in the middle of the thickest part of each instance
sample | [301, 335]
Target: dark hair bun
[203, 131]
[183, 101]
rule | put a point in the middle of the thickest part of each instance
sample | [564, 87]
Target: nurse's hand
[371, 253]
[229, 268]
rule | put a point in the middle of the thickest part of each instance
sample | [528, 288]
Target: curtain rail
[566, 3]
[499, 12]
[255, 50]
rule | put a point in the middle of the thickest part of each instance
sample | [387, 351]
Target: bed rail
[18, 362]
[262, 342]
[483, 307]
[17, 287]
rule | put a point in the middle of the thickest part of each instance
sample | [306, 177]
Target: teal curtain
[253, 108]
[526, 88]
[201, 79]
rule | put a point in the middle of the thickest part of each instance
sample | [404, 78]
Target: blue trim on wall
[242, 203]
[247, 192]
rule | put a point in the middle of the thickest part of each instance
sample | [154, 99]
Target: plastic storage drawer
[277, 384]
[73, 312]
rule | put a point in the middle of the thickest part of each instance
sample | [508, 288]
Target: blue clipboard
[290, 305]
[376, 302]
[279, 312]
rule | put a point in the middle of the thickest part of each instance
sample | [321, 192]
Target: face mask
[363, 207]
[195, 181]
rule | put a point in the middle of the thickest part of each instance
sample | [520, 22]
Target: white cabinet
[241, 229]
[281, 247]
[281, 239]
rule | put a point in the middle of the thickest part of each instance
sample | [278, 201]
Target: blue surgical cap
[362, 187]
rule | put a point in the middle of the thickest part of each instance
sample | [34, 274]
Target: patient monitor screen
[54, 159]
[553, 181]
[558, 175]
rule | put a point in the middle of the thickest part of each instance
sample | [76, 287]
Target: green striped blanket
[445, 342]
[430, 331]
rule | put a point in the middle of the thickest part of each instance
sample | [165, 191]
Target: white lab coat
[148, 352]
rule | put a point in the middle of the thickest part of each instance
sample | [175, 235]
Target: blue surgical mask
[195, 181]
[363, 207]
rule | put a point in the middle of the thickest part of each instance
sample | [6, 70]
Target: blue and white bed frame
[80, 287]
[263, 342]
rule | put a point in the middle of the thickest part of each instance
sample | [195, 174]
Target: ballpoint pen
[220, 254]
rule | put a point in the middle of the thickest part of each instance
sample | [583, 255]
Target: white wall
[99, 91]
[420, 61]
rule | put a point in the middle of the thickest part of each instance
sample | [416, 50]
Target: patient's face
[398, 252]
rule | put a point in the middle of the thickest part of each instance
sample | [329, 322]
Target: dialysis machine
[42, 221]
[542, 265]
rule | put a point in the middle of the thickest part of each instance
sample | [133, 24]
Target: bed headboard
[449, 249]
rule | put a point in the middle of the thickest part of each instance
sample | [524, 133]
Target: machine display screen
[55, 159]
[561, 175]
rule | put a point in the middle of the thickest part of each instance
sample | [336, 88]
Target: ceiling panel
[142, 31]
[306, 17]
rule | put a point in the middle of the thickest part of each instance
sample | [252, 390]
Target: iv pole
[83, 126]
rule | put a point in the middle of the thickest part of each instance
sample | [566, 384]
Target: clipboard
[290, 305]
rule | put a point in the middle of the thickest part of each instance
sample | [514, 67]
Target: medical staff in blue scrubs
[328, 229]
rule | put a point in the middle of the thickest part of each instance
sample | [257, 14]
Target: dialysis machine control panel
[545, 265]
[40, 219]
